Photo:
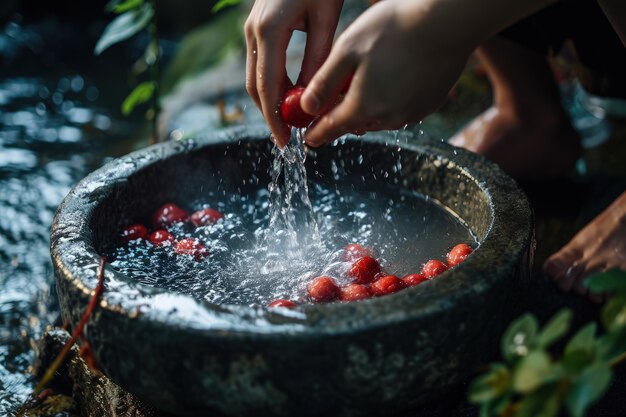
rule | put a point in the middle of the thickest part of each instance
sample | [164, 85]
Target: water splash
[292, 227]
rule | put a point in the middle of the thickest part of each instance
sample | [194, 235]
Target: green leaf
[610, 281]
[555, 329]
[545, 402]
[491, 385]
[583, 340]
[590, 386]
[574, 362]
[532, 371]
[124, 26]
[519, 337]
[612, 344]
[126, 5]
[140, 94]
[221, 4]
[614, 313]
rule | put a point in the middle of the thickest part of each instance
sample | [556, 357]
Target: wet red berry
[414, 279]
[387, 285]
[291, 111]
[282, 303]
[323, 289]
[168, 214]
[354, 292]
[205, 217]
[134, 232]
[364, 270]
[190, 246]
[161, 237]
[355, 251]
[433, 268]
[458, 254]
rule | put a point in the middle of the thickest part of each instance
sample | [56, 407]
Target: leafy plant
[133, 17]
[534, 382]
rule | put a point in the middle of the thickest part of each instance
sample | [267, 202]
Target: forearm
[615, 11]
[468, 22]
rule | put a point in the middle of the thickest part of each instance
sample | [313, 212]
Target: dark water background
[58, 122]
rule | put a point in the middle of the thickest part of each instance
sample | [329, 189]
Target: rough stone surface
[94, 395]
[394, 353]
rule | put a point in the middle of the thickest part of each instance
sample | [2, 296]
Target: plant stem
[154, 71]
[618, 359]
[78, 331]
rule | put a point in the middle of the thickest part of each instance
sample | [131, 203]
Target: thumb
[322, 91]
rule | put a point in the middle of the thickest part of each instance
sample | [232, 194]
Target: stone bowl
[379, 356]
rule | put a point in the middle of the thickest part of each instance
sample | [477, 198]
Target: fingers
[335, 123]
[251, 57]
[320, 32]
[321, 93]
[271, 81]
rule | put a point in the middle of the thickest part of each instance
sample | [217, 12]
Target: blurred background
[61, 117]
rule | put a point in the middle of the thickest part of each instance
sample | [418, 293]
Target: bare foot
[599, 246]
[538, 147]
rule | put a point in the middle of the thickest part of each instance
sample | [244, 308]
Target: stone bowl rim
[241, 322]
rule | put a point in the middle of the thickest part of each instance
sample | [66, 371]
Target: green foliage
[221, 4]
[121, 6]
[140, 94]
[124, 26]
[537, 381]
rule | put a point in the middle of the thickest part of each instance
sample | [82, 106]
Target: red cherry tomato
[354, 292]
[323, 289]
[134, 232]
[282, 303]
[205, 217]
[433, 268]
[193, 247]
[364, 270]
[168, 214]
[458, 254]
[387, 285]
[354, 251]
[291, 111]
[161, 237]
[414, 279]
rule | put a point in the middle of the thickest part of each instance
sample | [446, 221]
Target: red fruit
[414, 279]
[323, 289]
[354, 292]
[168, 214]
[364, 270]
[458, 254]
[282, 303]
[291, 111]
[387, 285]
[193, 247]
[205, 217]
[433, 268]
[161, 237]
[355, 251]
[134, 232]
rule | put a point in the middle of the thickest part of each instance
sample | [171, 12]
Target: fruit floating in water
[354, 292]
[414, 279]
[323, 289]
[161, 237]
[134, 232]
[191, 246]
[354, 251]
[364, 270]
[433, 268]
[168, 214]
[458, 254]
[205, 217]
[282, 303]
[387, 284]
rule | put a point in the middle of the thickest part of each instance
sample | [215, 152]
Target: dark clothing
[601, 54]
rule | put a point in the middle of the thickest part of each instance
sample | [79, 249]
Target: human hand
[268, 30]
[404, 60]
